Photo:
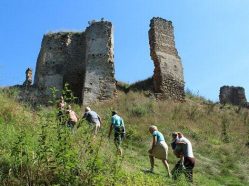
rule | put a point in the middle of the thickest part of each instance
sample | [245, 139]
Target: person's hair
[174, 134]
[114, 112]
[180, 134]
[153, 127]
[87, 109]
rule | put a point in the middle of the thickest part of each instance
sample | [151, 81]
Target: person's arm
[110, 131]
[100, 119]
[180, 142]
[123, 125]
[76, 115]
[84, 116]
[182, 161]
[153, 144]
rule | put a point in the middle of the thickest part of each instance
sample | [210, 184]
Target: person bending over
[93, 118]
[187, 162]
[159, 149]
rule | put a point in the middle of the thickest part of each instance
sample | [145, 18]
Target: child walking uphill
[159, 149]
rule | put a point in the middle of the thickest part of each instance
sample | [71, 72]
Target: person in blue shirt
[159, 149]
[93, 119]
[117, 123]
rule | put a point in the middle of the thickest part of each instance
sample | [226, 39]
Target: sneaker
[149, 170]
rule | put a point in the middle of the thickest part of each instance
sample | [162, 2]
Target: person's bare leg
[166, 166]
[151, 163]
[120, 151]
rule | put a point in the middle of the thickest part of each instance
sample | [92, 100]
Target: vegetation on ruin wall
[36, 150]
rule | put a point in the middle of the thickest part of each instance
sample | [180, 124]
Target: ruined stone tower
[168, 73]
[81, 59]
[99, 77]
[232, 95]
[61, 60]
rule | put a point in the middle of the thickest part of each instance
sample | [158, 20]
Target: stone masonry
[99, 76]
[168, 73]
[61, 60]
[82, 59]
[85, 60]
[233, 95]
[28, 80]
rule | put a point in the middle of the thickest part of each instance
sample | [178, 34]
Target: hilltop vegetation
[37, 150]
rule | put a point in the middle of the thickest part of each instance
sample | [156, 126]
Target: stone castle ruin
[28, 80]
[233, 95]
[85, 60]
[168, 73]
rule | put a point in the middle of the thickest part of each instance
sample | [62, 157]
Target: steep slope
[36, 150]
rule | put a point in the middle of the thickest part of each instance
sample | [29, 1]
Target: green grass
[36, 150]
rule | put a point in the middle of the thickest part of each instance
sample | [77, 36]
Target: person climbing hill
[93, 118]
[72, 117]
[186, 164]
[119, 131]
[159, 149]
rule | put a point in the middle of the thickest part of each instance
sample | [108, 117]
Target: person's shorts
[118, 138]
[160, 150]
[70, 124]
[94, 126]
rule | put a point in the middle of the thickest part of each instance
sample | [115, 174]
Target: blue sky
[212, 37]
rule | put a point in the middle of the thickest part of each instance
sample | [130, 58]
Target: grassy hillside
[36, 150]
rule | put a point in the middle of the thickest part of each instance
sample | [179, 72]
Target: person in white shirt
[187, 162]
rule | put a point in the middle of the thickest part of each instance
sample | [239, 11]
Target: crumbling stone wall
[28, 80]
[168, 73]
[61, 60]
[99, 77]
[73, 57]
[233, 95]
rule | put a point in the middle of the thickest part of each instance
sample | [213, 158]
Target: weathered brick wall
[84, 60]
[99, 77]
[233, 95]
[168, 73]
[61, 59]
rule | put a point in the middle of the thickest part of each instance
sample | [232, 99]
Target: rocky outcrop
[168, 73]
[233, 95]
